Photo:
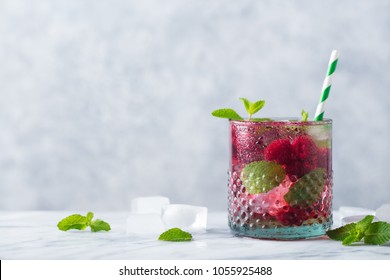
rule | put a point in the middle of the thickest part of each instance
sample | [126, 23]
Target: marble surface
[34, 235]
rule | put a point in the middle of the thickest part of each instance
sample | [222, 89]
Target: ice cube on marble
[187, 217]
[346, 211]
[353, 219]
[149, 204]
[144, 224]
[383, 213]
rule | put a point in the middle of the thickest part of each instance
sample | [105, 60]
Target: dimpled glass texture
[280, 179]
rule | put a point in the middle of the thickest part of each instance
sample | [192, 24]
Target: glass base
[283, 233]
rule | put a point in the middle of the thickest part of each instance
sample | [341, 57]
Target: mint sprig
[227, 114]
[250, 107]
[80, 222]
[376, 233]
[304, 115]
[75, 221]
[175, 235]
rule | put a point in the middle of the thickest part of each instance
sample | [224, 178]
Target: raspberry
[304, 147]
[304, 157]
[280, 151]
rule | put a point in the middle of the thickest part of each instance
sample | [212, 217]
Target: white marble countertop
[34, 235]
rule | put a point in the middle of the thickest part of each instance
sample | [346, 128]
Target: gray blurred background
[104, 101]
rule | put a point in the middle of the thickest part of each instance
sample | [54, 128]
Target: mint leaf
[358, 232]
[255, 107]
[341, 233]
[89, 217]
[363, 224]
[262, 176]
[227, 114]
[247, 104]
[350, 233]
[250, 107]
[176, 235]
[307, 189]
[80, 222]
[351, 239]
[377, 233]
[305, 116]
[74, 221]
[99, 225]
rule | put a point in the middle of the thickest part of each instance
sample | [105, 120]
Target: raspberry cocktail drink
[280, 178]
[280, 175]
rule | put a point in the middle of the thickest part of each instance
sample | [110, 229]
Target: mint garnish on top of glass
[251, 108]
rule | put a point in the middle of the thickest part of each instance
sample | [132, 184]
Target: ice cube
[149, 204]
[346, 211]
[383, 213]
[319, 132]
[186, 217]
[353, 219]
[269, 136]
[272, 201]
[144, 224]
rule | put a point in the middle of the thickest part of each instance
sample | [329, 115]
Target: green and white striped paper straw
[334, 57]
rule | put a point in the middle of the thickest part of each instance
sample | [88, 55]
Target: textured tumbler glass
[280, 178]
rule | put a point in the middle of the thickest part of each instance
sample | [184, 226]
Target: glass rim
[283, 121]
